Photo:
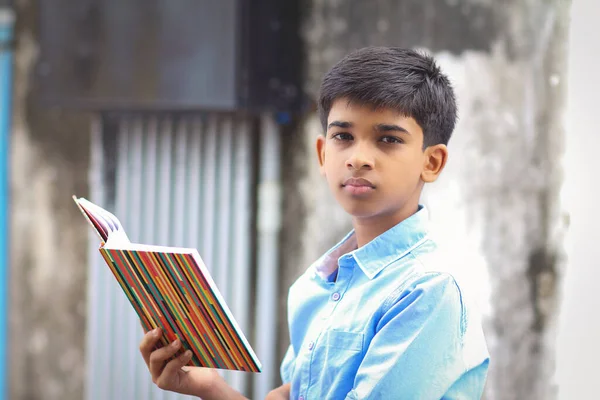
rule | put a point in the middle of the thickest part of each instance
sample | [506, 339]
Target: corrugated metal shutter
[181, 180]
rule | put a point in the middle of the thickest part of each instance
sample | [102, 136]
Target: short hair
[404, 80]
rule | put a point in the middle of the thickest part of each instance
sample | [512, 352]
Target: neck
[368, 228]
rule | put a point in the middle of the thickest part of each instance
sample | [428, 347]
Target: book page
[116, 245]
[106, 224]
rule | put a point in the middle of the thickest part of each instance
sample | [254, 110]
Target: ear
[435, 158]
[321, 152]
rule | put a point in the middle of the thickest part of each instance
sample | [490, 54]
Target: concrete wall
[49, 163]
[500, 191]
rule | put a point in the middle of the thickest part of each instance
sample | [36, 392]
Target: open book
[171, 288]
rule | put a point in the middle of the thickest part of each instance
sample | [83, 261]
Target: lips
[358, 186]
[358, 182]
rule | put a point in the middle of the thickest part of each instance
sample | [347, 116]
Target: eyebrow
[340, 124]
[377, 128]
[390, 128]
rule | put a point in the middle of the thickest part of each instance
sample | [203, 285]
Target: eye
[391, 140]
[342, 136]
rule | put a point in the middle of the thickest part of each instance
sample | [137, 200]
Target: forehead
[367, 116]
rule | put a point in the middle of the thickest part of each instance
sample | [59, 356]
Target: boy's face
[374, 160]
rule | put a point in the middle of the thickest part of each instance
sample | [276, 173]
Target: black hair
[404, 80]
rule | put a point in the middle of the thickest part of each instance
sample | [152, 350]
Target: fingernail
[188, 354]
[156, 331]
[175, 343]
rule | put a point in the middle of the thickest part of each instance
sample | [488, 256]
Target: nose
[360, 158]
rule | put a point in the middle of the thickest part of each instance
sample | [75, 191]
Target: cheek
[333, 160]
[330, 169]
[405, 172]
[413, 161]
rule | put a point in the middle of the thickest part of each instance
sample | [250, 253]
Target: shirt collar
[381, 251]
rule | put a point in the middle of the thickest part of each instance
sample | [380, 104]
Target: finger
[172, 368]
[148, 344]
[159, 357]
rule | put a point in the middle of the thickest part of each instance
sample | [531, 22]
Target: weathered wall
[48, 248]
[500, 188]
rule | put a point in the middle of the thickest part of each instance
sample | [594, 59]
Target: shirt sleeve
[287, 365]
[416, 350]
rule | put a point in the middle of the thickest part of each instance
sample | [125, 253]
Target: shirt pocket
[343, 352]
[343, 340]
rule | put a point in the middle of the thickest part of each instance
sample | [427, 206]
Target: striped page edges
[174, 291]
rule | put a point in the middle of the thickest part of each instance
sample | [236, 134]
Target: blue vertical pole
[6, 34]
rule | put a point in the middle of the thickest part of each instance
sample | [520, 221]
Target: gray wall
[500, 191]
[49, 163]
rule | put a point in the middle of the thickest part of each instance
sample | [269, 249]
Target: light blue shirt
[391, 325]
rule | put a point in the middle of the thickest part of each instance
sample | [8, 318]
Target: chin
[361, 210]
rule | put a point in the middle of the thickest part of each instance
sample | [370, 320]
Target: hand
[281, 393]
[173, 375]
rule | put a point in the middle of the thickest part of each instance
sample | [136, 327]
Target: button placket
[341, 285]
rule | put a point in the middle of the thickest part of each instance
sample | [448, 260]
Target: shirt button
[335, 296]
[311, 345]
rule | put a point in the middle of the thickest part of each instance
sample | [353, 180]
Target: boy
[374, 318]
